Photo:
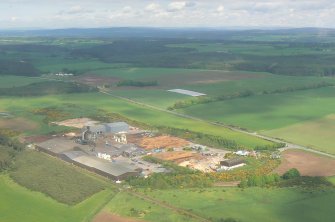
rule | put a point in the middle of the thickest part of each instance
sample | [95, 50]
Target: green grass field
[266, 112]
[317, 134]
[123, 203]
[12, 81]
[51, 176]
[20, 204]
[254, 204]
[142, 114]
[332, 179]
[290, 116]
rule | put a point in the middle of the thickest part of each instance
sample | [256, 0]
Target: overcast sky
[164, 13]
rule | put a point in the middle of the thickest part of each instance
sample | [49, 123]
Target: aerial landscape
[167, 111]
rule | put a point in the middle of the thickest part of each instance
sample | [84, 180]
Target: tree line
[137, 83]
[47, 88]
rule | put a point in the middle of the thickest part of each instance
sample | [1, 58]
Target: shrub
[291, 173]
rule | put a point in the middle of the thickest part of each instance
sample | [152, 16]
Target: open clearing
[308, 164]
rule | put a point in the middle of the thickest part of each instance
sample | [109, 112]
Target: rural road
[288, 144]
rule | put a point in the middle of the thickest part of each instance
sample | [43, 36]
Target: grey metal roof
[58, 145]
[115, 169]
[74, 154]
[232, 162]
[117, 127]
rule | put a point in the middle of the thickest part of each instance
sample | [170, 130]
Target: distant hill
[188, 33]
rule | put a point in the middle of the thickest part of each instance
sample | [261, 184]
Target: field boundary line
[168, 206]
[97, 210]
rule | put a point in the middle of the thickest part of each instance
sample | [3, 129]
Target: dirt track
[108, 217]
[308, 164]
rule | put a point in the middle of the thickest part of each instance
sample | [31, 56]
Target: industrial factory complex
[116, 150]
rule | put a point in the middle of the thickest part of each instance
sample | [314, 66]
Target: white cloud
[220, 9]
[152, 7]
[173, 13]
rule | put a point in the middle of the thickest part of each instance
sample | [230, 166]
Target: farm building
[111, 170]
[232, 163]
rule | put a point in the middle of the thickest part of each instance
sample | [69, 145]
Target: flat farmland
[266, 112]
[304, 117]
[275, 204]
[211, 82]
[176, 77]
[317, 134]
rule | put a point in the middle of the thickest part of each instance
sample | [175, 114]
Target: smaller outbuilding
[232, 163]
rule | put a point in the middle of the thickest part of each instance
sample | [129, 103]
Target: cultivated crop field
[20, 204]
[48, 175]
[308, 164]
[317, 134]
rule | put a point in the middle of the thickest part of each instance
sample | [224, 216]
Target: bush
[291, 173]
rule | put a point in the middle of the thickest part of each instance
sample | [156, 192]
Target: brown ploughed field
[308, 164]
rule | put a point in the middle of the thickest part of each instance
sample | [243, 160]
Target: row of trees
[212, 140]
[137, 83]
[47, 88]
